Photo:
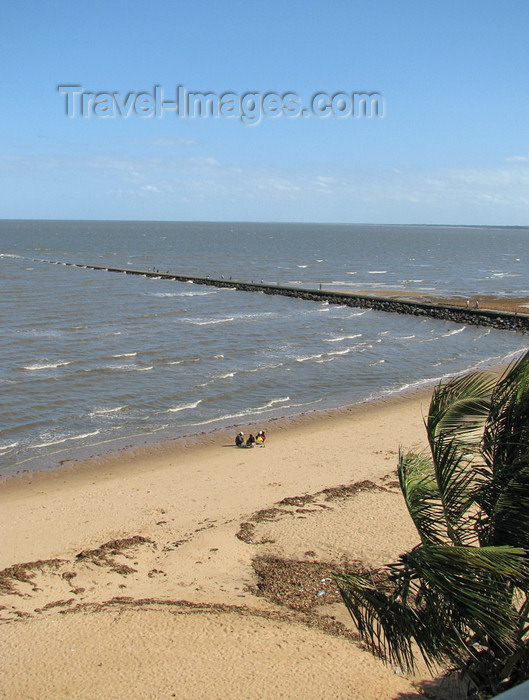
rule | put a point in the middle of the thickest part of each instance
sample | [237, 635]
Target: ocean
[91, 361]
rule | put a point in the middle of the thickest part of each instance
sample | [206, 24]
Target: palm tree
[460, 597]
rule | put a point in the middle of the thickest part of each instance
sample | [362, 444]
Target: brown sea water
[90, 359]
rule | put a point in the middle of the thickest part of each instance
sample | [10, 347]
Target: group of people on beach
[251, 441]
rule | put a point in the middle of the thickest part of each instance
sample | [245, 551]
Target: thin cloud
[204, 160]
[164, 142]
[517, 159]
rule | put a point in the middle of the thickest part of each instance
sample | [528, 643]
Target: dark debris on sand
[299, 585]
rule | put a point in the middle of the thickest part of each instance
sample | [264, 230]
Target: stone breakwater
[504, 320]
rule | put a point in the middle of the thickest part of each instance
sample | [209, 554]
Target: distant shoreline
[512, 304]
[265, 223]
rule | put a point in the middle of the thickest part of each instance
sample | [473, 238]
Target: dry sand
[512, 304]
[204, 570]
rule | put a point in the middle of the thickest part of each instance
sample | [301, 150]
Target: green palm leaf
[472, 581]
[421, 493]
[434, 597]
[461, 405]
[506, 438]
[455, 478]
[511, 513]
[462, 595]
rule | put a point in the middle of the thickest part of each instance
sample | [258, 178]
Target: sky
[282, 136]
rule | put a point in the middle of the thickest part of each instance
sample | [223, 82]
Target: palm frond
[511, 512]
[472, 580]
[461, 405]
[421, 493]
[506, 437]
[457, 415]
[456, 480]
[387, 625]
[462, 595]
[437, 596]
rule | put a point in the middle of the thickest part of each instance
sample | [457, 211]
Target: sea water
[92, 360]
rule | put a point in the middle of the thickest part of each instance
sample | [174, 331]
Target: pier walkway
[505, 320]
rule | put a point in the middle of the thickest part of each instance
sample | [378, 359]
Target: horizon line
[272, 223]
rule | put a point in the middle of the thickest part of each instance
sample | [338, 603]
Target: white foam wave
[340, 352]
[212, 322]
[121, 368]
[281, 400]
[257, 316]
[214, 379]
[126, 354]
[269, 406]
[342, 337]
[454, 332]
[51, 365]
[308, 357]
[181, 362]
[7, 448]
[377, 272]
[99, 411]
[183, 407]
[64, 439]
[263, 368]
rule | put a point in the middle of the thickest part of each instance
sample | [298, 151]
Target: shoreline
[114, 451]
[79, 452]
[139, 461]
[197, 543]
[200, 570]
[147, 449]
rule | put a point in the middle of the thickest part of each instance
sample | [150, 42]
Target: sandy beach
[201, 570]
[512, 304]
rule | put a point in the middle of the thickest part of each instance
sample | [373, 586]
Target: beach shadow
[448, 687]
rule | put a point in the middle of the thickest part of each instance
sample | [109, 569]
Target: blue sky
[451, 148]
